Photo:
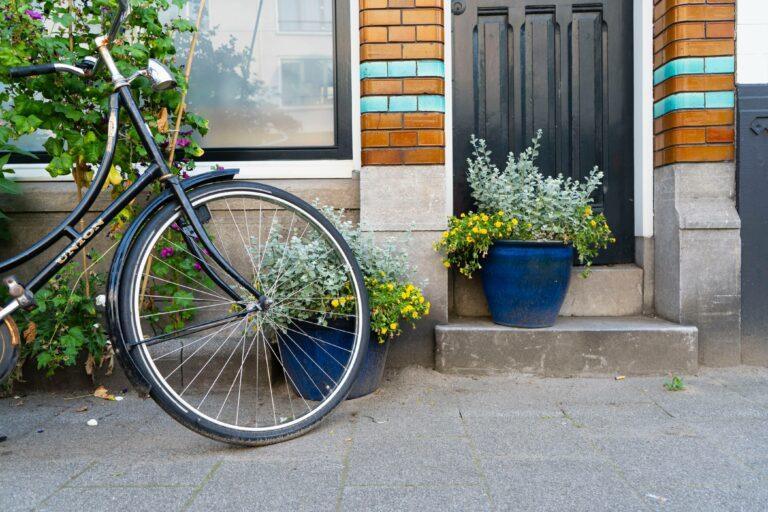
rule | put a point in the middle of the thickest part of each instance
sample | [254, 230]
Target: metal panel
[753, 209]
[560, 66]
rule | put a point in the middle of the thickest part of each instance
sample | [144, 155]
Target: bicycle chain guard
[10, 343]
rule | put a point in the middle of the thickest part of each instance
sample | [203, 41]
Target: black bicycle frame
[158, 170]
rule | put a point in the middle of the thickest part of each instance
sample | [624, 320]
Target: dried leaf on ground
[82, 409]
[103, 393]
[30, 333]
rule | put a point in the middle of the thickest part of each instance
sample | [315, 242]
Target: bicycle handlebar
[39, 69]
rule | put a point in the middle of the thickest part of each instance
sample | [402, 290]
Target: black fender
[139, 381]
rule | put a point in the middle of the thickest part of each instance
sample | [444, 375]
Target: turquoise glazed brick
[719, 65]
[431, 103]
[679, 101]
[373, 104]
[373, 70]
[402, 103]
[401, 68]
[431, 68]
[719, 99]
[678, 67]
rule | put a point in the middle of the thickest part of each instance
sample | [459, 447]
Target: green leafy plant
[65, 323]
[520, 203]
[69, 112]
[319, 287]
[676, 384]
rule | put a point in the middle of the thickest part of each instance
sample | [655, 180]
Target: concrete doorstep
[573, 346]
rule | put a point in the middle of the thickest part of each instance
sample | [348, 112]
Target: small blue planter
[309, 380]
[525, 282]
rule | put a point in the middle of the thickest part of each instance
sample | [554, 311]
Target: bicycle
[225, 365]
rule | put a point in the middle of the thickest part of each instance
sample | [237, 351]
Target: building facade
[368, 105]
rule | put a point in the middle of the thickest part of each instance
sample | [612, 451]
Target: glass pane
[263, 72]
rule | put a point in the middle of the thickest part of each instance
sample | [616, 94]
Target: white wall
[643, 116]
[751, 41]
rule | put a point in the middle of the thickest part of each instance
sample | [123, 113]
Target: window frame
[342, 108]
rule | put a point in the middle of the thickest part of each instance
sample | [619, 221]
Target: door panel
[561, 66]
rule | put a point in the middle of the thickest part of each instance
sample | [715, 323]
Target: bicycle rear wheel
[219, 366]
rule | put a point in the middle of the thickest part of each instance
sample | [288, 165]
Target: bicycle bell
[161, 77]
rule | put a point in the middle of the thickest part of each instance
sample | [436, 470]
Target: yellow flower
[421, 299]
[410, 288]
[393, 325]
[415, 315]
[475, 229]
[515, 222]
[593, 223]
[404, 295]
[588, 211]
[342, 301]
[469, 239]
[390, 287]
[501, 212]
[497, 224]
[484, 217]
[335, 303]
[483, 231]
[447, 264]
[383, 330]
[445, 234]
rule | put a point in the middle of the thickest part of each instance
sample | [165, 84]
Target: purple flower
[175, 227]
[185, 175]
[185, 132]
[166, 252]
[218, 167]
[33, 14]
[198, 266]
[183, 142]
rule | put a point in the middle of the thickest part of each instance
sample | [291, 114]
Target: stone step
[574, 346]
[615, 290]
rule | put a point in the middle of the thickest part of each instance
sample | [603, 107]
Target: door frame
[642, 23]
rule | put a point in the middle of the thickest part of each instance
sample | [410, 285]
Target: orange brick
[697, 153]
[423, 17]
[431, 138]
[429, 3]
[383, 157]
[373, 35]
[372, 139]
[381, 86]
[679, 136]
[401, 3]
[373, 4]
[429, 33]
[664, 5]
[380, 17]
[424, 156]
[679, 31]
[725, 29]
[423, 86]
[423, 50]
[423, 120]
[382, 121]
[403, 139]
[402, 34]
[703, 48]
[693, 83]
[711, 12]
[709, 117]
[720, 134]
[381, 51]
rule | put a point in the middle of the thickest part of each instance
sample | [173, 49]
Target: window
[272, 77]
[305, 15]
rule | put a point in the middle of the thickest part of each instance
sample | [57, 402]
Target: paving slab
[425, 441]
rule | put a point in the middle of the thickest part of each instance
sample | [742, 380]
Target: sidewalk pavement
[424, 442]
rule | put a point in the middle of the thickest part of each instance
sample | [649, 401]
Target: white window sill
[254, 170]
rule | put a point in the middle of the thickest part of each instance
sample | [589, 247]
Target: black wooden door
[562, 66]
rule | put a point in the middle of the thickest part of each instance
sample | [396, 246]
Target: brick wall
[403, 87]
[693, 80]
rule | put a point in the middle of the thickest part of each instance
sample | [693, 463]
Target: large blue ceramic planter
[525, 282]
[309, 380]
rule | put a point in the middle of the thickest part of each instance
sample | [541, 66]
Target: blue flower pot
[309, 380]
[525, 282]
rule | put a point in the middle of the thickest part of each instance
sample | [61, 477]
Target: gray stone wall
[410, 204]
[698, 256]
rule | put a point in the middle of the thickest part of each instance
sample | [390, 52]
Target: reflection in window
[255, 62]
[305, 15]
[306, 82]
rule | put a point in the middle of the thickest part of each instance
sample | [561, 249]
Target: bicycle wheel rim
[360, 333]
